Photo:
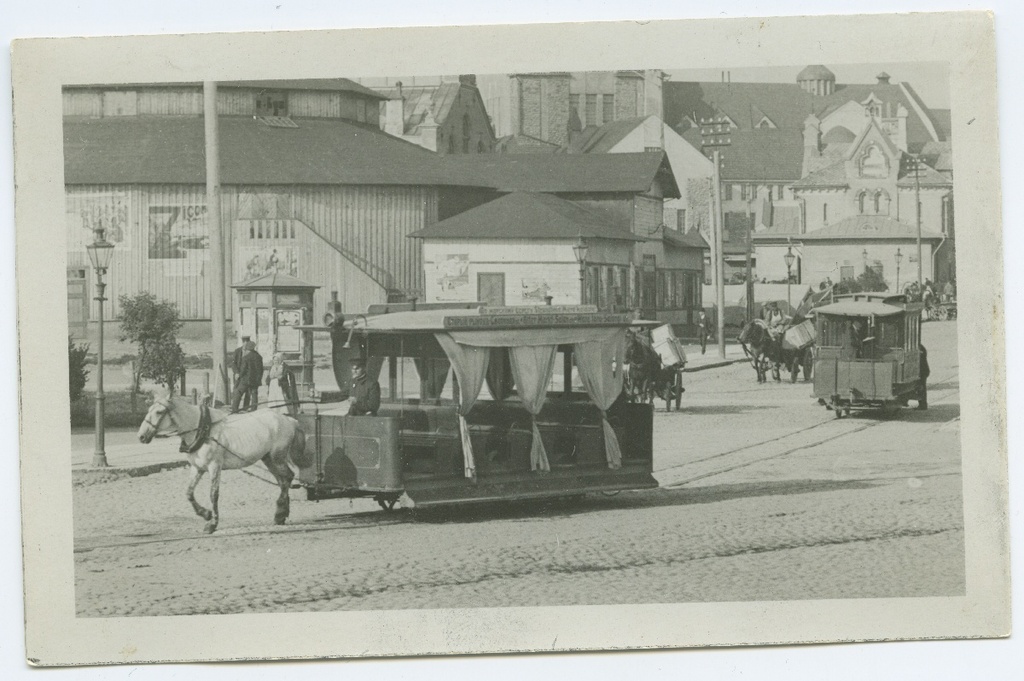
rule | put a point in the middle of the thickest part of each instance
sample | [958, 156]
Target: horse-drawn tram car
[470, 409]
[869, 353]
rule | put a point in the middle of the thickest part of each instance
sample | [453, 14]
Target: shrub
[77, 371]
[151, 323]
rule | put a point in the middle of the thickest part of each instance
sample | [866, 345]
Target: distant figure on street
[922, 382]
[702, 331]
[276, 381]
[947, 292]
[250, 376]
[236, 367]
[365, 393]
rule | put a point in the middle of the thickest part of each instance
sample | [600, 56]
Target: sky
[929, 79]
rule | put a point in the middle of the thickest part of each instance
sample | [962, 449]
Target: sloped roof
[888, 93]
[524, 144]
[565, 173]
[320, 84]
[170, 150]
[785, 104]
[692, 239]
[525, 215]
[766, 155]
[929, 177]
[867, 228]
[423, 100]
[939, 155]
[943, 121]
[602, 139]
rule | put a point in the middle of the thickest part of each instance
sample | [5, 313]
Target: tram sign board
[537, 320]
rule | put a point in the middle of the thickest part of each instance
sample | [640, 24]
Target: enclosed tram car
[473, 409]
[868, 353]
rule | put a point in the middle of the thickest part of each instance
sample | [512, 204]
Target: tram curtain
[531, 368]
[470, 365]
[499, 374]
[600, 367]
[433, 376]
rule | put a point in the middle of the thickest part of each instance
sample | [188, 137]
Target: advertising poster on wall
[452, 276]
[178, 232]
[87, 212]
[255, 262]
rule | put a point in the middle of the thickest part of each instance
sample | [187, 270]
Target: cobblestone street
[764, 495]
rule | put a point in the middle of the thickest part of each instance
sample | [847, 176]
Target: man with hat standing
[236, 367]
[365, 393]
[250, 375]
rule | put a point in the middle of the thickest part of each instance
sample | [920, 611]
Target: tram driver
[365, 393]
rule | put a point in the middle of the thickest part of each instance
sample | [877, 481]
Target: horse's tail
[297, 450]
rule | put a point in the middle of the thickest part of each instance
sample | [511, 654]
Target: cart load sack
[668, 347]
[798, 337]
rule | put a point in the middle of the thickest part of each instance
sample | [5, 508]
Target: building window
[860, 203]
[608, 108]
[743, 192]
[778, 191]
[728, 192]
[361, 110]
[273, 103]
[591, 110]
[465, 133]
[574, 108]
[824, 213]
[681, 219]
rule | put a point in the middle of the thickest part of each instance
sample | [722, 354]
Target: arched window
[860, 202]
[882, 202]
[824, 213]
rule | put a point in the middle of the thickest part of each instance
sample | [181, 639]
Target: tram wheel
[387, 503]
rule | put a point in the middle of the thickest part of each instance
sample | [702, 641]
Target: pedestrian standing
[702, 331]
[236, 367]
[250, 376]
[276, 381]
[922, 383]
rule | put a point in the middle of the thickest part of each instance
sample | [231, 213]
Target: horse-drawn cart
[468, 413]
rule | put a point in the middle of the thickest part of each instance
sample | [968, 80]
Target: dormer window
[873, 162]
[872, 106]
[766, 124]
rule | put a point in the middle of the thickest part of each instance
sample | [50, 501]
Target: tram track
[689, 472]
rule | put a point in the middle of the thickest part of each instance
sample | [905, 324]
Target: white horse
[233, 442]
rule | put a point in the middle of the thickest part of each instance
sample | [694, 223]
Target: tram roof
[860, 308]
[489, 319]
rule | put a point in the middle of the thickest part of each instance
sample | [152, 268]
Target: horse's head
[752, 333]
[159, 420]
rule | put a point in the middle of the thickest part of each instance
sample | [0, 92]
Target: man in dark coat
[250, 376]
[236, 367]
[922, 382]
[365, 393]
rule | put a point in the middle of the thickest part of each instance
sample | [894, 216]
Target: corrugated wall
[370, 223]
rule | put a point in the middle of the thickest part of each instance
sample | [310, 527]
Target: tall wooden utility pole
[217, 284]
[714, 135]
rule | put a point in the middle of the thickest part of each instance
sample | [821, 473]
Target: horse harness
[202, 432]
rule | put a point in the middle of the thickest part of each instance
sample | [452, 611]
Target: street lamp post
[100, 252]
[899, 257]
[790, 259]
[580, 249]
[864, 254]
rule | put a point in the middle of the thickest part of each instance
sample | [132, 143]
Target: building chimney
[394, 115]
[654, 83]
[467, 79]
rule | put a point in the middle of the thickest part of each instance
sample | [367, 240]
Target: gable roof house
[311, 187]
[447, 117]
[519, 247]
